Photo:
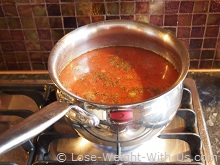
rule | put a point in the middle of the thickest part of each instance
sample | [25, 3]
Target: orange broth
[118, 75]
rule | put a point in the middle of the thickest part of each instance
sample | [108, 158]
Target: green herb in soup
[118, 75]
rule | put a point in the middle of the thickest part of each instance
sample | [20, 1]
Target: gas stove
[184, 141]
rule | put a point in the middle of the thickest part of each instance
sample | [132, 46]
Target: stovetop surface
[184, 141]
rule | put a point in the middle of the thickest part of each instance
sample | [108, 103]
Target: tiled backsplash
[30, 28]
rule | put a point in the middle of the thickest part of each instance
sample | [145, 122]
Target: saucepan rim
[57, 49]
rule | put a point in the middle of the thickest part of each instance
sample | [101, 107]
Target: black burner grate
[28, 146]
[190, 135]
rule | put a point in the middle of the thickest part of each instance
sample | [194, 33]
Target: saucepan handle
[32, 126]
[77, 114]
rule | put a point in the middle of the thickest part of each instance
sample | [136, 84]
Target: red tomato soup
[118, 75]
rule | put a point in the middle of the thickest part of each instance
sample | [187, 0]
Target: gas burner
[184, 141]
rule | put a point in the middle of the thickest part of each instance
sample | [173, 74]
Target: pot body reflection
[127, 124]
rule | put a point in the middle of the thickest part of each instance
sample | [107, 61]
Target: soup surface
[118, 75]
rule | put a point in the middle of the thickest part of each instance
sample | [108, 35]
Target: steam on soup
[118, 75]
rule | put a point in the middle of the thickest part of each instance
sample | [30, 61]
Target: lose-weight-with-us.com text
[137, 157]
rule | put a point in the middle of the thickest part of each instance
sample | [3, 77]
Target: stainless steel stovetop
[184, 141]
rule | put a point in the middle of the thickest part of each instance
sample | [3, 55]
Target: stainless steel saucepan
[127, 124]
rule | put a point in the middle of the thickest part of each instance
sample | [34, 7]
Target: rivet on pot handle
[82, 116]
